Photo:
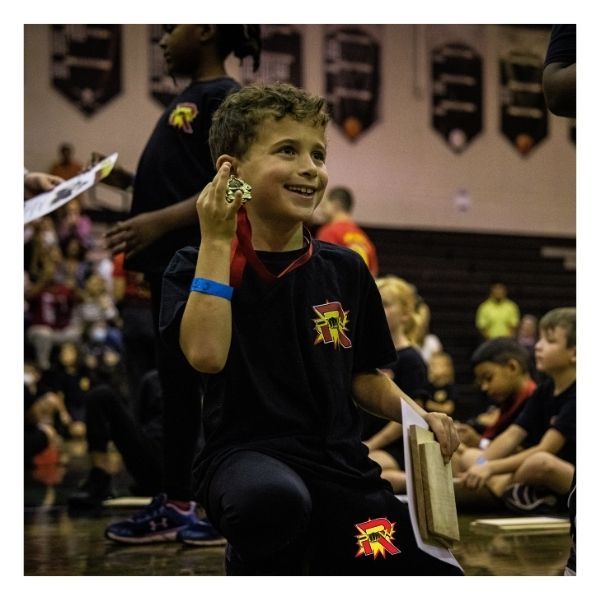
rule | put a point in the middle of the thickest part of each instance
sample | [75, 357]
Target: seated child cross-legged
[287, 333]
[531, 480]
[500, 366]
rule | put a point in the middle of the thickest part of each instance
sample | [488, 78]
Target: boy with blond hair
[530, 479]
[287, 331]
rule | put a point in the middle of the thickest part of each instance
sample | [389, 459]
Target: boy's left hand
[445, 433]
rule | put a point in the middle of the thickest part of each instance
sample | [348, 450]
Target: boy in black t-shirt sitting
[545, 427]
[287, 331]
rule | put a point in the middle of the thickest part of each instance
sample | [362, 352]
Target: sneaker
[528, 499]
[96, 488]
[201, 533]
[158, 522]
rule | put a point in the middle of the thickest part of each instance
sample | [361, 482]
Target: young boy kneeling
[287, 332]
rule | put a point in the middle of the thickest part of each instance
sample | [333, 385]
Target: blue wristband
[212, 288]
[480, 460]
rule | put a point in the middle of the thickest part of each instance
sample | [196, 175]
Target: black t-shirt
[410, 375]
[563, 45]
[175, 165]
[545, 410]
[296, 344]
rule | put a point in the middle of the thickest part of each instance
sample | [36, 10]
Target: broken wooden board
[440, 505]
[417, 435]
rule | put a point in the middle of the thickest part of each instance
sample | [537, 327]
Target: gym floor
[57, 542]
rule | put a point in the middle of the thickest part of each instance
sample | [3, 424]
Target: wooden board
[127, 502]
[440, 505]
[417, 435]
[528, 525]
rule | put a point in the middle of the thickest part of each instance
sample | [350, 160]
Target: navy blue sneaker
[201, 533]
[158, 522]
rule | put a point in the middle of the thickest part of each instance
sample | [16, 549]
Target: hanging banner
[456, 82]
[524, 118]
[352, 76]
[280, 58]
[163, 86]
[86, 64]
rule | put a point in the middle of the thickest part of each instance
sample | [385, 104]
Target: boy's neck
[563, 380]
[268, 239]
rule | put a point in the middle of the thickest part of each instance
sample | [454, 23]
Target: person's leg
[545, 469]
[263, 508]
[390, 470]
[181, 405]
[109, 419]
[365, 532]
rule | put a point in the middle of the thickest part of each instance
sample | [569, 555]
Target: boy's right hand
[218, 218]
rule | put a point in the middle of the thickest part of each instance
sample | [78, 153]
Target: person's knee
[269, 515]
[537, 468]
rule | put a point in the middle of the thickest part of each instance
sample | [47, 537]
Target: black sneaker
[528, 499]
[94, 490]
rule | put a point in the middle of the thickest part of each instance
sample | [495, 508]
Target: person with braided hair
[174, 167]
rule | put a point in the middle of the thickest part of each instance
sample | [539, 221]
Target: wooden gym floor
[59, 543]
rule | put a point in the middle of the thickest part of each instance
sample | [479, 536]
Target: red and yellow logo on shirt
[331, 325]
[183, 115]
[375, 538]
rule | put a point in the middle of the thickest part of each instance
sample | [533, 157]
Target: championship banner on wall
[280, 59]
[456, 92]
[352, 76]
[524, 118]
[86, 64]
[163, 87]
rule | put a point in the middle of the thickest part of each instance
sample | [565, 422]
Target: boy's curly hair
[235, 124]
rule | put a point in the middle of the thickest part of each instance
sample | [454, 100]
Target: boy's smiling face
[286, 168]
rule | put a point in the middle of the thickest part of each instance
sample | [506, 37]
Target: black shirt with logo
[296, 345]
[176, 164]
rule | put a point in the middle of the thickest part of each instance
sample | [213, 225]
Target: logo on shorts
[182, 115]
[375, 538]
[332, 325]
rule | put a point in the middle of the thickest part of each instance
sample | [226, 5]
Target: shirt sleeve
[565, 420]
[532, 413]
[563, 45]
[175, 291]
[374, 346]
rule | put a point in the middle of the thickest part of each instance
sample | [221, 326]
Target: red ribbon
[242, 253]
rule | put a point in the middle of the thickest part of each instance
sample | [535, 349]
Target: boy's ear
[206, 32]
[230, 159]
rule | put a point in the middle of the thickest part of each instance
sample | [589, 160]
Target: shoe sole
[164, 536]
[207, 543]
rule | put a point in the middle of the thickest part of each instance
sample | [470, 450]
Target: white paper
[49, 201]
[410, 417]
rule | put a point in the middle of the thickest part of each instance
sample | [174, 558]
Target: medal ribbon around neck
[242, 253]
